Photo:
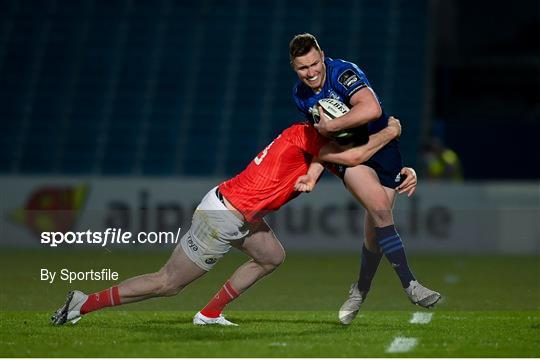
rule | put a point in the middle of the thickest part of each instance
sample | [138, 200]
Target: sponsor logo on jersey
[210, 261]
[398, 178]
[349, 78]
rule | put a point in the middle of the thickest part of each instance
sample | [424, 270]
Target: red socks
[224, 296]
[105, 298]
[111, 297]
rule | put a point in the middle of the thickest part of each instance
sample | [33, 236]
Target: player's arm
[306, 183]
[365, 107]
[334, 153]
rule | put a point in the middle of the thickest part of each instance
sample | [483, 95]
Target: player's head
[307, 60]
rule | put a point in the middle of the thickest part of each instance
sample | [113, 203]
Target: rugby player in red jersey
[231, 214]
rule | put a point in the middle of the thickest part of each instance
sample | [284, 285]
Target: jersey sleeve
[348, 79]
[307, 139]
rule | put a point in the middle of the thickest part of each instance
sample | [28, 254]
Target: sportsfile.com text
[108, 237]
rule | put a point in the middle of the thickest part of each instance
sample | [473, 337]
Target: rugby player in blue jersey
[373, 183]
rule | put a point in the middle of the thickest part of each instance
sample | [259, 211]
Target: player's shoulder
[345, 75]
[299, 131]
[337, 64]
[338, 67]
[296, 128]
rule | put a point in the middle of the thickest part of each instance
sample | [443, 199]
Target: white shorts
[213, 227]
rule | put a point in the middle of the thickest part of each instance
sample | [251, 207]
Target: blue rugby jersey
[343, 80]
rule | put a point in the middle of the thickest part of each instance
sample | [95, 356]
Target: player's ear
[292, 64]
[322, 55]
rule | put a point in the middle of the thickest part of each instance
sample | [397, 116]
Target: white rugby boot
[350, 308]
[421, 295]
[200, 319]
[71, 310]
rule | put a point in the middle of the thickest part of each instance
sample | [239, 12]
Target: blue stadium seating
[183, 87]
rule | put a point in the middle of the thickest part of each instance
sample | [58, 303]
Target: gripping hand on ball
[322, 126]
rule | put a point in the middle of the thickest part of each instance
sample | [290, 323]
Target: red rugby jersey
[267, 183]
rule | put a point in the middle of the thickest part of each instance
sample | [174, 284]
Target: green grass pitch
[491, 308]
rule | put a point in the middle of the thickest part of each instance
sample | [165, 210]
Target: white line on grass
[281, 344]
[421, 318]
[401, 345]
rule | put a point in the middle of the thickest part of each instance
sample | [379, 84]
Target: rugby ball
[332, 109]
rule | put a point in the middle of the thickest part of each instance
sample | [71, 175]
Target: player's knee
[383, 219]
[168, 286]
[381, 214]
[274, 260]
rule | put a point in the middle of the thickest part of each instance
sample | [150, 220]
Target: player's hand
[305, 183]
[322, 126]
[409, 184]
[395, 125]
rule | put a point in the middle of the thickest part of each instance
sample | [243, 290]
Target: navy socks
[368, 268]
[392, 247]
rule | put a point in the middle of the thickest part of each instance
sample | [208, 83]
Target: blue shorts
[386, 162]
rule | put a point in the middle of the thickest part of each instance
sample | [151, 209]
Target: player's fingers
[409, 172]
[322, 114]
[304, 188]
[409, 181]
[302, 184]
[407, 186]
[411, 192]
[403, 185]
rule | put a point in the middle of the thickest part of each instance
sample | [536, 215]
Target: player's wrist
[331, 126]
[390, 132]
[395, 130]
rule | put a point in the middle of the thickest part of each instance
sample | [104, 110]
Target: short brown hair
[301, 44]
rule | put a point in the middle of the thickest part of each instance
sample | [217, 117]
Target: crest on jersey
[349, 78]
[332, 94]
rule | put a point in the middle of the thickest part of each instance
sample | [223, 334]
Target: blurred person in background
[440, 162]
